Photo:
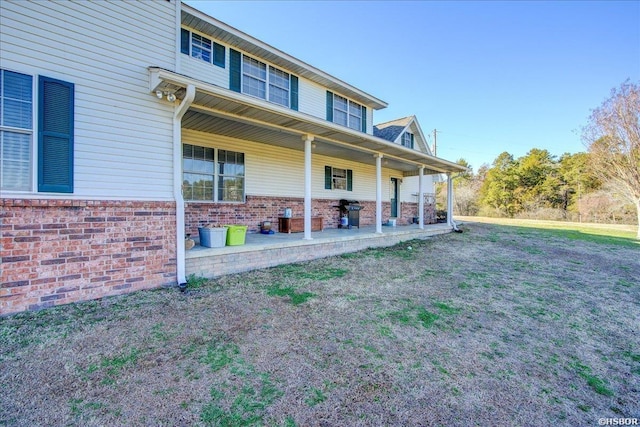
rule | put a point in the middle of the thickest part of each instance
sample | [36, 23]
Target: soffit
[220, 111]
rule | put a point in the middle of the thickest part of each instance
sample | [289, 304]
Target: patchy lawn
[496, 326]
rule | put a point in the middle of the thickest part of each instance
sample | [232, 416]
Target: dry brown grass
[496, 326]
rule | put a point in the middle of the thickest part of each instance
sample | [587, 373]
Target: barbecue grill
[351, 210]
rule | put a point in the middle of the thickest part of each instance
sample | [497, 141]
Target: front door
[394, 197]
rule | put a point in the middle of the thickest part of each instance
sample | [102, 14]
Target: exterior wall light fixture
[171, 97]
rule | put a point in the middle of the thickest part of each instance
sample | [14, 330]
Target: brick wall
[61, 251]
[257, 209]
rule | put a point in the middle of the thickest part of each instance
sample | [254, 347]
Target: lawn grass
[597, 233]
[499, 325]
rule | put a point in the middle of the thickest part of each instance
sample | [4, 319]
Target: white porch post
[378, 193]
[421, 199]
[449, 199]
[307, 186]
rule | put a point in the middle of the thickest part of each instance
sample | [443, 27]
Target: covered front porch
[263, 251]
[272, 136]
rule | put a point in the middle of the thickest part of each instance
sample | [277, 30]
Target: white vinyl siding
[312, 99]
[279, 172]
[208, 73]
[409, 188]
[123, 134]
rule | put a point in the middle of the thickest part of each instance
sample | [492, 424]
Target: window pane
[16, 100]
[354, 122]
[16, 86]
[278, 95]
[201, 47]
[253, 67]
[198, 172]
[278, 78]
[255, 87]
[340, 103]
[15, 152]
[230, 189]
[339, 179]
[197, 187]
[355, 109]
[340, 117]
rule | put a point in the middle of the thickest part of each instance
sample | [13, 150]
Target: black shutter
[55, 135]
[411, 140]
[349, 180]
[364, 119]
[235, 62]
[185, 38]
[293, 102]
[329, 106]
[327, 177]
[218, 54]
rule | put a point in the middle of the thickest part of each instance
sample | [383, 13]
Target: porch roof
[224, 112]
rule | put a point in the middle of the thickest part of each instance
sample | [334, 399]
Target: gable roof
[393, 129]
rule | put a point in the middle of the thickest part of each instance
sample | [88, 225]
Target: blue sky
[489, 76]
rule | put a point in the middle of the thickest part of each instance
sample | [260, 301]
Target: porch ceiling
[223, 112]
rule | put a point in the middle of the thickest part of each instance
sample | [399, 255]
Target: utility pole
[435, 142]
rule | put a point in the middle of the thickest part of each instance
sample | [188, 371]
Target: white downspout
[449, 199]
[177, 182]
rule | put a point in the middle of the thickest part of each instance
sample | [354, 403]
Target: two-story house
[126, 125]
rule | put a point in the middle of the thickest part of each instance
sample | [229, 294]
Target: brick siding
[258, 209]
[60, 251]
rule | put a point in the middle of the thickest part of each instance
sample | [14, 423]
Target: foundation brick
[59, 251]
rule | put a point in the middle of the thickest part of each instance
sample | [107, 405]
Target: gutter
[179, 112]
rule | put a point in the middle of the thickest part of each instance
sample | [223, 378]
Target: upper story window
[407, 139]
[345, 112]
[202, 48]
[279, 86]
[273, 85]
[53, 125]
[256, 78]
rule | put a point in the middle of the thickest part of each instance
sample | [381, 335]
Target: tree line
[599, 185]
[539, 185]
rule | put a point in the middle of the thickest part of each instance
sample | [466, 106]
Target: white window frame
[216, 175]
[353, 121]
[405, 140]
[268, 81]
[33, 154]
[200, 46]
[338, 176]
[221, 176]
[353, 107]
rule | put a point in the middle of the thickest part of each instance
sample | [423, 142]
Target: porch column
[421, 199]
[307, 186]
[378, 193]
[449, 199]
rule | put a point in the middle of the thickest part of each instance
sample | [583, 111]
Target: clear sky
[489, 76]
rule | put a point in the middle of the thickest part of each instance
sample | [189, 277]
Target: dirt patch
[495, 326]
